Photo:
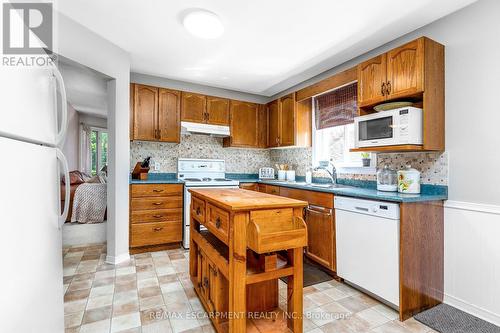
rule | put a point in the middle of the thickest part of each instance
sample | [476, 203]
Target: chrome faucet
[332, 174]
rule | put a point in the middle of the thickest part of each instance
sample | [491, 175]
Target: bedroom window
[98, 150]
[333, 127]
[93, 150]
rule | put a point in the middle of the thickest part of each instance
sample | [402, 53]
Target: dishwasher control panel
[388, 210]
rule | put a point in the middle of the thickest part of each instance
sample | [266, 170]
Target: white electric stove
[200, 173]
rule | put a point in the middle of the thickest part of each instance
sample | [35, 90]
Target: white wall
[93, 120]
[196, 88]
[472, 249]
[81, 45]
[71, 145]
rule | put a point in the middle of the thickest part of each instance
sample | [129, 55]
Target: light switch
[157, 166]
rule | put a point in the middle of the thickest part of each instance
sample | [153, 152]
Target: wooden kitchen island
[253, 239]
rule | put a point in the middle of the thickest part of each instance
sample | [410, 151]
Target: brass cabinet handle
[158, 229]
[389, 88]
[217, 222]
[198, 211]
[157, 190]
[382, 89]
[158, 216]
[157, 203]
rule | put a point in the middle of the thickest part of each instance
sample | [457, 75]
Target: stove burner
[206, 179]
[192, 179]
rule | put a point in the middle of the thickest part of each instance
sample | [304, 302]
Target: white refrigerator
[33, 122]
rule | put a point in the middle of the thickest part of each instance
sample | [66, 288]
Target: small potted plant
[366, 159]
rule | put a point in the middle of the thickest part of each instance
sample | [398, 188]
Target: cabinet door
[262, 126]
[193, 107]
[244, 119]
[287, 123]
[169, 114]
[131, 107]
[212, 292]
[218, 111]
[321, 235]
[371, 81]
[145, 112]
[405, 69]
[274, 123]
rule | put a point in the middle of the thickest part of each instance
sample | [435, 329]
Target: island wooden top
[241, 200]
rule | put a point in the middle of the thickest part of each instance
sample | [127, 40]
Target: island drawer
[157, 215]
[198, 209]
[156, 203]
[156, 190]
[155, 233]
[217, 222]
[274, 230]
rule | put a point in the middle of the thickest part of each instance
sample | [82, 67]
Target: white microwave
[401, 126]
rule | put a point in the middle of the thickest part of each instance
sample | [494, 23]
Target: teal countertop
[158, 178]
[350, 188]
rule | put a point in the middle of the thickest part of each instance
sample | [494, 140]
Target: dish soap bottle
[309, 175]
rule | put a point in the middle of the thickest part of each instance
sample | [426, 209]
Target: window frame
[99, 130]
[344, 167]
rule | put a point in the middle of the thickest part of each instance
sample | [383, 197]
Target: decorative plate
[392, 105]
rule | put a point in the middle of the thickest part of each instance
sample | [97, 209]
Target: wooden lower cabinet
[249, 186]
[155, 215]
[320, 220]
[321, 236]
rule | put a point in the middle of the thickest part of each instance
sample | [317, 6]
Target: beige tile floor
[136, 297]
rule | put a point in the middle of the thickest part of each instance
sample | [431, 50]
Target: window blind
[337, 107]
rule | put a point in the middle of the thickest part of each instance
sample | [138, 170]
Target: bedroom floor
[136, 296]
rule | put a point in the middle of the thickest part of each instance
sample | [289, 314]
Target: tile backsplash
[433, 166]
[238, 160]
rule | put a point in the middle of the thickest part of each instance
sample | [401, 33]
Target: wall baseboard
[472, 309]
[471, 206]
[115, 260]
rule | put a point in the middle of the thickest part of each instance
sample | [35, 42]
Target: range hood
[206, 129]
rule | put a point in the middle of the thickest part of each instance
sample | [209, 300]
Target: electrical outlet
[157, 166]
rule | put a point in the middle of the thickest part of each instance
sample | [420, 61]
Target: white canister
[281, 175]
[309, 177]
[409, 180]
[290, 175]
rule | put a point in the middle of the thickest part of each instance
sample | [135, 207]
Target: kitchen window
[333, 128]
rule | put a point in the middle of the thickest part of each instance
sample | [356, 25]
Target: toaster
[266, 173]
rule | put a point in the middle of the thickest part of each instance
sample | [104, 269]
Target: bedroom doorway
[86, 149]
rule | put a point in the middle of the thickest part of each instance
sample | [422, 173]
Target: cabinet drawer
[155, 233]
[156, 203]
[198, 210]
[313, 198]
[217, 222]
[158, 215]
[156, 190]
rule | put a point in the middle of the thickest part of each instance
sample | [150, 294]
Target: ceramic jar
[409, 180]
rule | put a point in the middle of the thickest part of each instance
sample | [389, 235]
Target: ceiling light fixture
[204, 24]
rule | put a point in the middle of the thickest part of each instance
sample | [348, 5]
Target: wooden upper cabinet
[405, 69]
[262, 123]
[145, 112]
[131, 106]
[244, 124]
[274, 123]
[217, 111]
[287, 123]
[169, 113]
[193, 107]
[372, 80]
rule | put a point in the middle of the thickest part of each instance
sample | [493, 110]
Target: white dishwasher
[367, 237]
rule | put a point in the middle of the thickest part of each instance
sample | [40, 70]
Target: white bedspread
[89, 203]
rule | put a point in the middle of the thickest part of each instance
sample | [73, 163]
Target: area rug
[447, 319]
[313, 274]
